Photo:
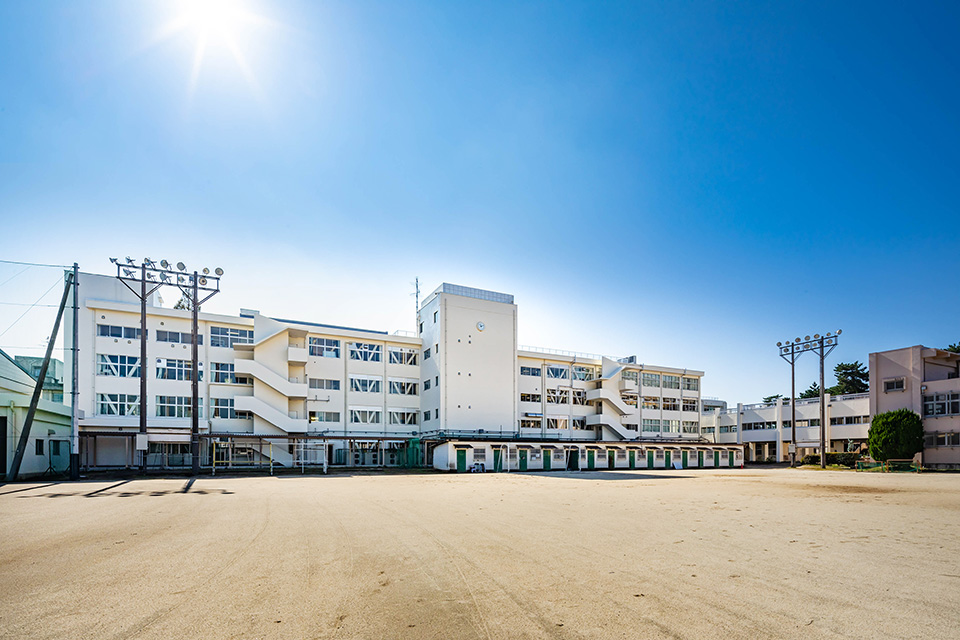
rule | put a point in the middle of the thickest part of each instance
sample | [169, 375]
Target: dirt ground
[682, 554]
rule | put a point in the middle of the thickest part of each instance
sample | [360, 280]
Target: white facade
[766, 431]
[292, 391]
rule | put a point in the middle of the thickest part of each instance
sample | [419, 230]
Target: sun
[212, 24]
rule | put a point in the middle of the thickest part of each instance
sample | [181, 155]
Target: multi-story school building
[457, 394]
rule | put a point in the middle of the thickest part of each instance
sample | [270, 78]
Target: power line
[56, 282]
[37, 264]
[14, 276]
[12, 346]
[27, 304]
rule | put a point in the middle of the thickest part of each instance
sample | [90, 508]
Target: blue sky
[687, 182]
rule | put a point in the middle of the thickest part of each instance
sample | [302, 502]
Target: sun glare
[213, 24]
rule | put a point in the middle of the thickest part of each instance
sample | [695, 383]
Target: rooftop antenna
[416, 292]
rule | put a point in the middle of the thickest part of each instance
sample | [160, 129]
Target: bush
[895, 435]
[847, 459]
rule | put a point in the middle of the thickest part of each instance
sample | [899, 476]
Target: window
[399, 386]
[629, 400]
[708, 429]
[556, 423]
[651, 379]
[689, 404]
[324, 383]
[436, 316]
[690, 384]
[39, 446]
[426, 354]
[403, 416]
[172, 369]
[671, 404]
[175, 407]
[119, 366]
[113, 331]
[630, 374]
[436, 348]
[557, 396]
[894, 384]
[421, 327]
[558, 372]
[651, 402]
[365, 385]
[227, 337]
[223, 408]
[690, 426]
[651, 425]
[670, 426]
[436, 413]
[530, 397]
[178, 337]
[579, 397]
[436, 382]
[671, 382]
[426, 416]
[426, 384]
[324, 347]
[530, 371]
[480, 455]
[580, 422]
[402, 355]
[55, 447]
[583, 373]
[530, 423]
[222, 372]
[118, 404]
[323, 416]
[365, 416]
[941, 404]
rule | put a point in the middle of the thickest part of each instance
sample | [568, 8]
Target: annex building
[456, 393]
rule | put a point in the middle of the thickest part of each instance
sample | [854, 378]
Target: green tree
[812, 392]
[184, 303]
[895, 435]
[772, 399]
[852, 377]
[955, 347]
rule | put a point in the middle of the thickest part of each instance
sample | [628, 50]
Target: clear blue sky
[688, 182]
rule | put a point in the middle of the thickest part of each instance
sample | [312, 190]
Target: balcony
[297, 355]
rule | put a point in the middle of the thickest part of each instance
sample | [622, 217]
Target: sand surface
[695, 554]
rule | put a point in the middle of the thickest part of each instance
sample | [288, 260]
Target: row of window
[558, 396]
[219, 336]
[941, 404]
[652, 425]
[561, 372]
[362, 351]
[368, 416]
[167, 369]
[125, 404]
[370, 384]
[951, 439]
[578, 422]
[670, 404]
[813, 422]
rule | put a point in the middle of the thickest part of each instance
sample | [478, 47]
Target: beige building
[926, 381]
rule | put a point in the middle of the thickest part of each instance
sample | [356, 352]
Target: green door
[547, 457]
[461, 460]
[731, 458]
[611, 459]
[666, 459]
[633, 459]
[497, 462]
[683, 459]
[700, 459]
[523, 459]
[716, 458]
[590, 459]
[649, 458]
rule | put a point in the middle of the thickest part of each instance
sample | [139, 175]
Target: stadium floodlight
[113, 260]
[206, 271]
[128, 273]
[130, 260]
[164, 277]
[218, 271]
[181, 266]
[164, 264]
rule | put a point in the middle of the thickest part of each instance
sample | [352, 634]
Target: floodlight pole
[790, 351]
[195, 387]
[74, 386]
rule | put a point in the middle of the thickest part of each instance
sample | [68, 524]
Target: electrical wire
[27, 304]
[58, 280]
[13, 276]
[37, 264]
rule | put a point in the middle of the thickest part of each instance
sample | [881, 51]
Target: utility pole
[35, 399]
[74, 387]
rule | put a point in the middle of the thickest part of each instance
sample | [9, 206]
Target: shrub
[895, 435]
[846, 459]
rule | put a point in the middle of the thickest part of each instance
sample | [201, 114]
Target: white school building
[458, 392]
